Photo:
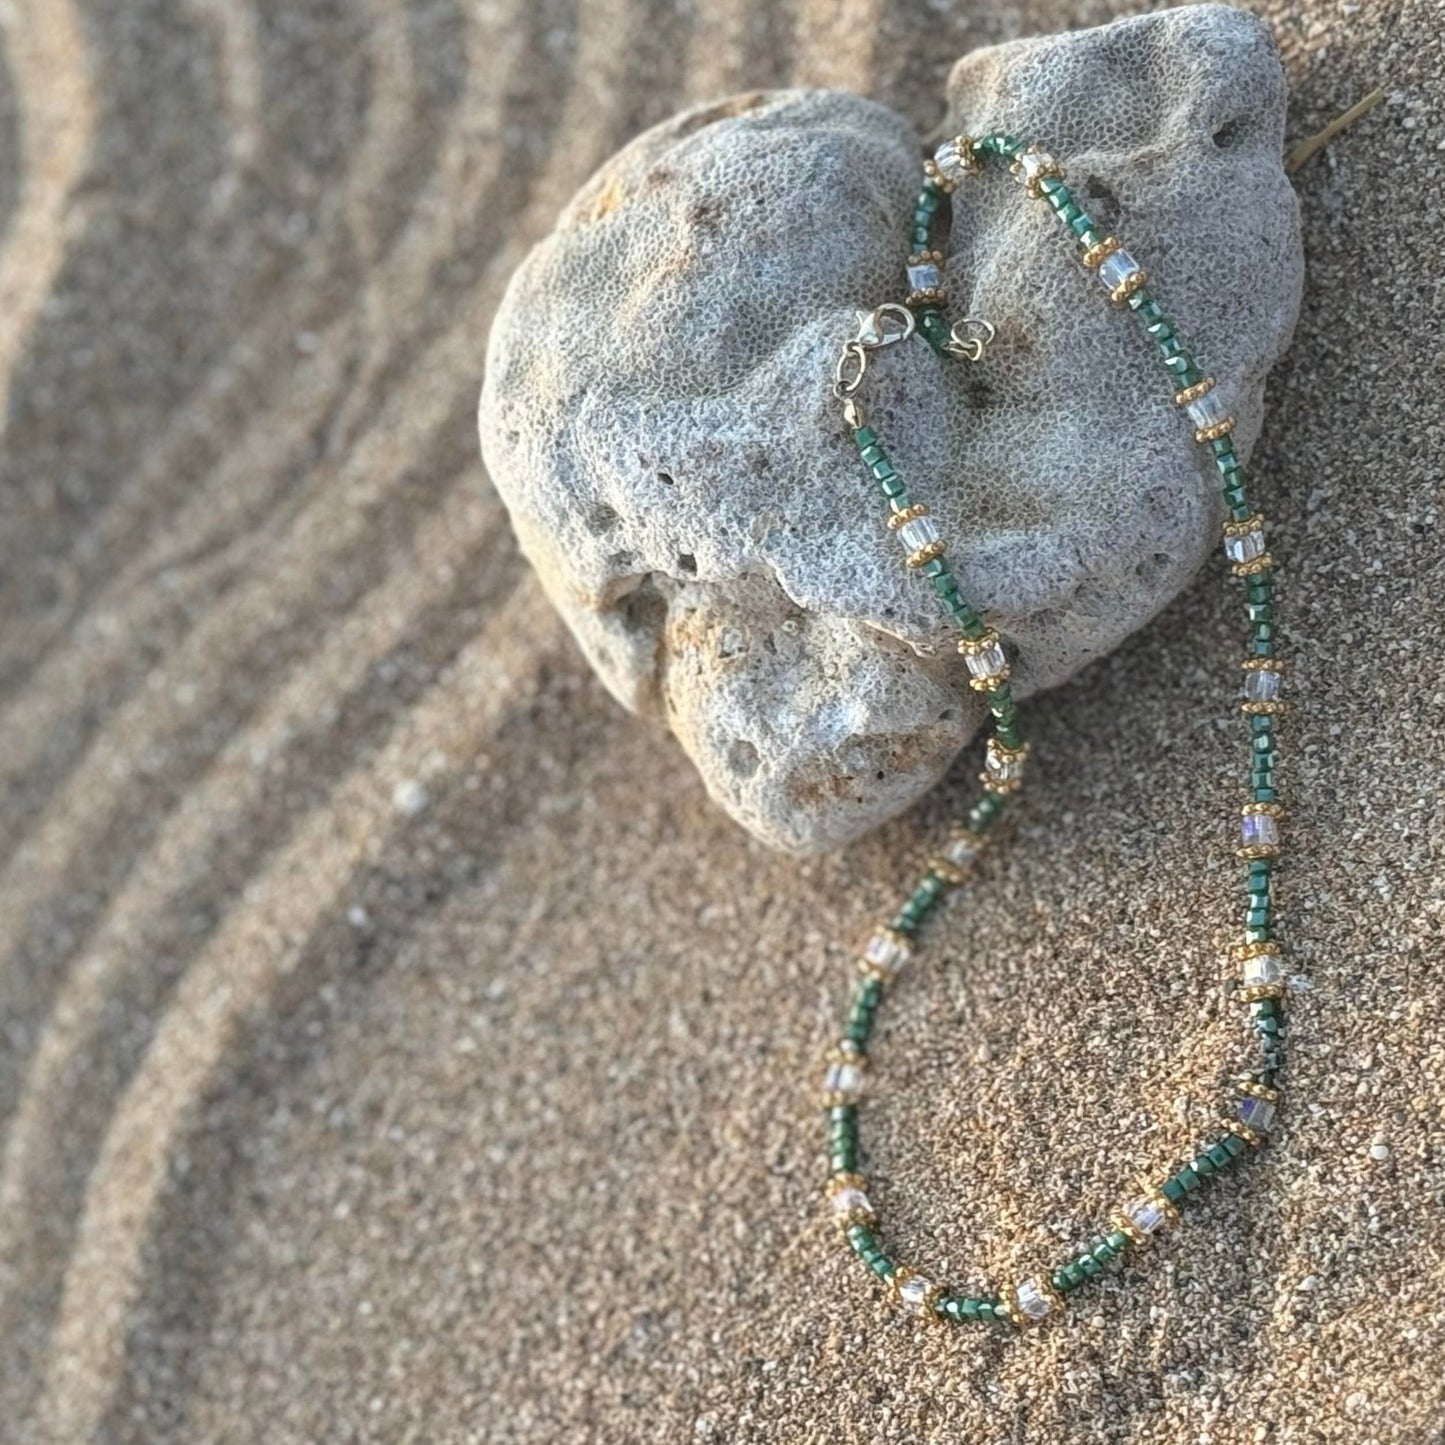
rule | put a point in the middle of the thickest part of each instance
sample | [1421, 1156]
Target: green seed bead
[1219, 1156]
[1172, 1190]
[1203, 1166]
[1090, 1266]
[1118, 1241]
[1235, 1145]
[1188, 1179]
[1084, 232]
[882, 1266]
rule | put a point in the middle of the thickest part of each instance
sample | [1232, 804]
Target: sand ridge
[396, 1044]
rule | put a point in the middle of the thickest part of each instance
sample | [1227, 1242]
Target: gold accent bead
[1264, 664]
[988, 684]
[1100, 252]
[996, 785]
[928, 296]
[1213, 433]
[1256, 1090]
[1128, 1228]
[1244, 1131]
[1250, 524]
[846, 1053]
[844, 1180]
[927, 553]
[1270, 810]
[1157, 1196]
[950, 872]
[1243, 951]
[972, 646]
[906, 515]
[968, 154]
[1273, 708]
[1256, 991]
[934, 176]
[1127, 287]
[1257, 850]
[1193, 393]
[1262, 563]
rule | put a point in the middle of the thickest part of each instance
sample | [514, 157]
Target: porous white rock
[657, 412]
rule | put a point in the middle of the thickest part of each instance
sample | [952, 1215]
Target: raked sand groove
[394, 1045]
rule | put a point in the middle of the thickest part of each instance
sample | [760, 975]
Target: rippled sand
[395, 1045]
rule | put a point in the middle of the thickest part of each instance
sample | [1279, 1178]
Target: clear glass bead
[1147, 1214]
[1002, 766]
[918, 533]
[1032, 164]
[849, 1200]
[951, 162]
[1261, 685]
[1259, 829]
[1208, 409]
[844, 1077]
[924, 277]
[887, 951]
[1035, 1302]
[1244, 547]
[1256, 1114]
[914, 1292]
[1116, 269]
[1263, 968]
[988, 663]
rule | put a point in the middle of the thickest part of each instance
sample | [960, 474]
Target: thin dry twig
[1306, 148]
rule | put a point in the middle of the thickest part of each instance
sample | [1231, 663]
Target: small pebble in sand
[1379, 1148]
[410, 798]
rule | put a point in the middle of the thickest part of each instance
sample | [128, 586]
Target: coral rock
[657, 411]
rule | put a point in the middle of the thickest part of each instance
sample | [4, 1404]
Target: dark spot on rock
[602, 518]
[1105, 208]
[705, 215]
[1232, 132]
[666, 479]
[687, 563]
[742, 758]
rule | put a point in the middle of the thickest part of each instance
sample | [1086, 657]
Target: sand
[395, 1044]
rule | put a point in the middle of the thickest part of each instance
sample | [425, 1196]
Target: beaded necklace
[1041, 1296]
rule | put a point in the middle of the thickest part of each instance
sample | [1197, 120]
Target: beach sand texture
[396, 1046]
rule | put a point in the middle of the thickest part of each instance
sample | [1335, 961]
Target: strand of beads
[888, 949]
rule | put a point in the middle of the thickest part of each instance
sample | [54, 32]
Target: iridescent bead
[1261, 685]
[1256, 1114]
[1262, 970]
[962, 849]
[1117, 268]
[985, 659]
[1207, 410]
[954, 159]
[886, 952]
[1148, 1214]
[924, 277]
[1004, 767]
[1259, 830]
[918, 533]
[844, 1078]
[1244, 546]
[848, 1202]
[915, 1293]
[1036, 1301]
